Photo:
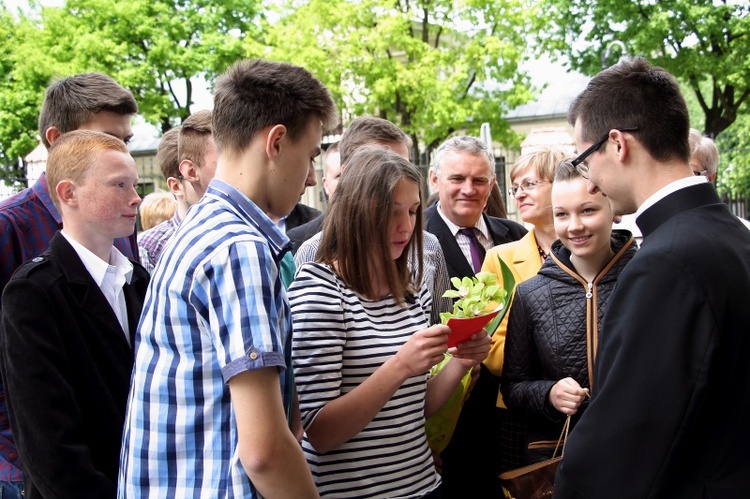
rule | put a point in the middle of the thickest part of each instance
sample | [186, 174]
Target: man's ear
[188, 171]
[175, 187]
[66, 192]
[622, 145]
[274, 141]
[52, 134]
[433, 180]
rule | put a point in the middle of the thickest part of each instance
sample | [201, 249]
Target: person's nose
[467, 187]
[135, 199]
[575, 224]
[311, 180]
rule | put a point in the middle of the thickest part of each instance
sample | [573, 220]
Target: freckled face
[107, 198]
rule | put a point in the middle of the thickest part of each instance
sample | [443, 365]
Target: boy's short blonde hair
[155, 208]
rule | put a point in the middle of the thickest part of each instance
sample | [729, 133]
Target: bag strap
[563, 438]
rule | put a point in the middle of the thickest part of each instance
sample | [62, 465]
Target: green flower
[474, 295]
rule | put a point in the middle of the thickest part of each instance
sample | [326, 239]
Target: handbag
[537, 480]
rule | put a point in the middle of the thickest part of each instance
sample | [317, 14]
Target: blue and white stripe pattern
[215, 307]
[340, 339]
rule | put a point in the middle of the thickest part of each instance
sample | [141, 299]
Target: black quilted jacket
[549, 327]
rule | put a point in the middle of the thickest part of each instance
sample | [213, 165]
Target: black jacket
[501, 230]
[553, 324]
[300, 214]
[302, 233]
[66, 367]
[671, 401]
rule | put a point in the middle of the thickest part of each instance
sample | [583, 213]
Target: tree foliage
[431, 66]
[704, 43]
[152, 47]
[155, 48]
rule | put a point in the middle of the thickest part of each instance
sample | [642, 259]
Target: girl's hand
[424, 349]
[566, 395]
[473, 351]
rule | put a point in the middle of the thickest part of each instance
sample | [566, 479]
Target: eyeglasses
[697, 171]
[582, 167]
[526, 185]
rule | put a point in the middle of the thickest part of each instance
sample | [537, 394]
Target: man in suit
[67, 370]
[462, 176]
[671, 396]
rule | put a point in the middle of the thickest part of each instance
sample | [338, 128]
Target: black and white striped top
[341, 338]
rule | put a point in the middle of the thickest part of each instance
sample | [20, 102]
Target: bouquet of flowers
[480, 302]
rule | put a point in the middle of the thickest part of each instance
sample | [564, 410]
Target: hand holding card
[463, 328]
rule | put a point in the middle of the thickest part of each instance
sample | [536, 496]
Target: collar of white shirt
[669, 189]
[480, 225]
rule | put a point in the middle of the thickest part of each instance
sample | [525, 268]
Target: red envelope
[462, 329]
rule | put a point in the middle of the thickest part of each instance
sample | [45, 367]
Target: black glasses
[579, 164]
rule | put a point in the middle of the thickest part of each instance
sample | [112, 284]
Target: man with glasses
[462, 175]
[671, 394]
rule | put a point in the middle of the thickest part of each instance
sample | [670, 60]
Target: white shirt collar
[669, 189]
[98, 267]
[480, 225]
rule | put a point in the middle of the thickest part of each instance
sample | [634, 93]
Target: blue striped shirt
[215, 307]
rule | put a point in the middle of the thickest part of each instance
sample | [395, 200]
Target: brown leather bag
[537, 480]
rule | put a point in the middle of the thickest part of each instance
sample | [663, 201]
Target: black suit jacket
[670, 411]
[302, 233]
[300, 214]
[501, 230]
[66, 367]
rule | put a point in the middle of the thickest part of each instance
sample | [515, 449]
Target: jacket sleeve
[657, 344]
[46, 421]
[522, 385]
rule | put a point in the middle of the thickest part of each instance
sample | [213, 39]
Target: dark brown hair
[166, 153]
[73, 101]
[633, 93]
[356, 226]
[194, 136]
[369, 130]
[255, 94]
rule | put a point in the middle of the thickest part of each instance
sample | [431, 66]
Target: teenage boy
[28, 220]
[206, 413]
[68, 321]
[187, 177]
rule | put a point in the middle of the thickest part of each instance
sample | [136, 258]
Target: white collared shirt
[483, 235]
[669, 189]
[110, 277]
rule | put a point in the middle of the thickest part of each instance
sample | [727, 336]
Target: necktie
[477, 250]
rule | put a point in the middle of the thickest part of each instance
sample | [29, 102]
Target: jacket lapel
[90, 298]
[455, 260]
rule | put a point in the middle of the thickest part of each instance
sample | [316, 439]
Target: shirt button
[37, 259]
[253, 355]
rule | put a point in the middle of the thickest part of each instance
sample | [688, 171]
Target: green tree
[734, 159]
[430, 66]
[19, 100]
[153, 47]
[704, 43]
